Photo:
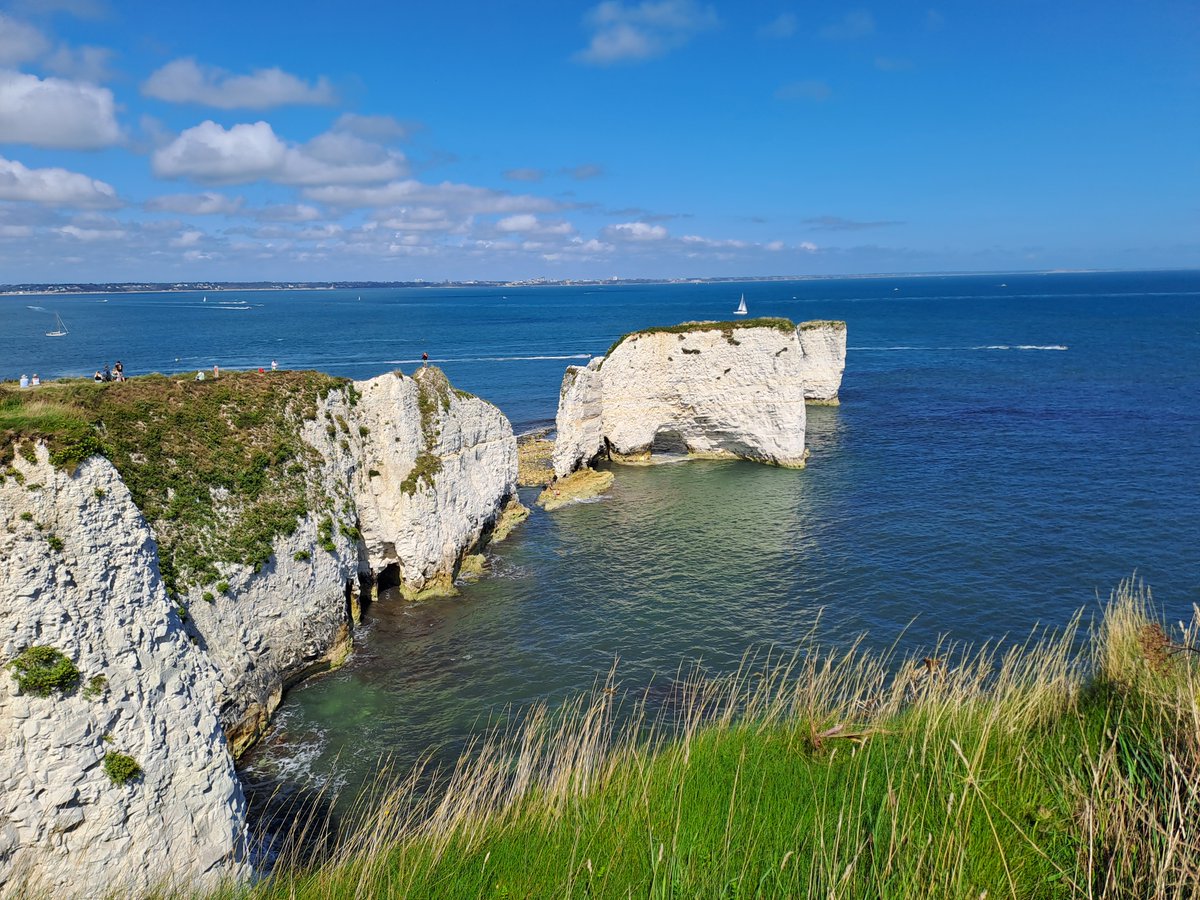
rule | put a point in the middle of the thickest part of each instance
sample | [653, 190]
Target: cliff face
[319, 487]
[823, 355]
[408, 475]
[79, 573]
[580, 418]
[436, 466]
[707, 389]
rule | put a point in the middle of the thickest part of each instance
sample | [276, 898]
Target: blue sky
[666, 138]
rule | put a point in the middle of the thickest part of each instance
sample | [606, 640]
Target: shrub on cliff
[42, 670]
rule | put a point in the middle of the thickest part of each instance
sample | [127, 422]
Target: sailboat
[741, 309]
[60, 330]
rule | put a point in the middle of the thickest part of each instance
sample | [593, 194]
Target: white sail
[60, 330]
[741, 310]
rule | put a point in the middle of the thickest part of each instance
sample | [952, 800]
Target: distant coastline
[154, 287]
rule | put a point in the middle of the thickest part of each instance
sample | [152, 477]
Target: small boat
[741, 309]
[60, 330]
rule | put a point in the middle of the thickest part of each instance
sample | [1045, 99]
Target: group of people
[116, 373]
[216, 370]
[27, 382]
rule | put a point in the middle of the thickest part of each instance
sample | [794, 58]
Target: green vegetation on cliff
[217, 467]
[1039, 771]
[787, 326]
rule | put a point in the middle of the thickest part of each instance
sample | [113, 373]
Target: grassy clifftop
[787, 326]
[216, 466]
[1039, 771]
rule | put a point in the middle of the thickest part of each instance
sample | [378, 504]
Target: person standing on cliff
[424, 360]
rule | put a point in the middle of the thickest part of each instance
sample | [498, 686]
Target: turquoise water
[1007, 449]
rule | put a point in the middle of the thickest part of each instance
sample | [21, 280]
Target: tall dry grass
[1062, 766]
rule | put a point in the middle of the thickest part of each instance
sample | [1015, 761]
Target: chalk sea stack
[708, 389]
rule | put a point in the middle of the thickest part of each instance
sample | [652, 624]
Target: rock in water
[823, 349]
[709, 389]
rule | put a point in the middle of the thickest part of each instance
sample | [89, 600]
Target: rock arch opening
[668, 442]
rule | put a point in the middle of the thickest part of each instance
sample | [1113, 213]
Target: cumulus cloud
[287, 212]
[808, 247]
[527, 223]
[247, 152]
[53, 112]
[728, 244]
[635, 231]
[464, 199]
[208, 203]
[186, 81]
[54, 187]
[635, 32]
[20, 42]
[83, 63]
[809, 89]
[856, 24]
[782, 26]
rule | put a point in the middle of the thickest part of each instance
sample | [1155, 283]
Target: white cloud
[715, 243]
[631, 33]
[20, 42]
[288, 212]
[208, 203]
[88, 235]
[188, 238]
[635, 231]
[54, 187]
[252, 152]
[808, 247]
[52, 112]
[84, 63]
[186, 81]
[856, 24]
[811, 89]
[526, 223]
[782, 26]
[774, 246]
[464, 199]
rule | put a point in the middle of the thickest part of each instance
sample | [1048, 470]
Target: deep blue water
[1007, 449]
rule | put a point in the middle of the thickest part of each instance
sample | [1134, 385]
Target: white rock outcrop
[709, 389]
[79, 573]
[436, 468]
[372, 517]
[823, 359]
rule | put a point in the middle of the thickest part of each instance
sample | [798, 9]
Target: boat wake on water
[458, 359]
[1057, 347]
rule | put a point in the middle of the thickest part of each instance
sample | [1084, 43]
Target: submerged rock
[708, 389]
[580, 485]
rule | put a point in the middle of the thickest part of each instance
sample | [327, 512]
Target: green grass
[787, 326]
[218, 467]
[1044, 770]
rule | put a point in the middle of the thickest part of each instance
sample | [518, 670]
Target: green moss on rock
[787, 326]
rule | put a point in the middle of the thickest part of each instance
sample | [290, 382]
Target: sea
[1007, 450]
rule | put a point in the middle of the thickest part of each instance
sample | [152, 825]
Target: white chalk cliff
[413, 476]
[79, 573]
[709, 389]
[823, 354]
[274, 627]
